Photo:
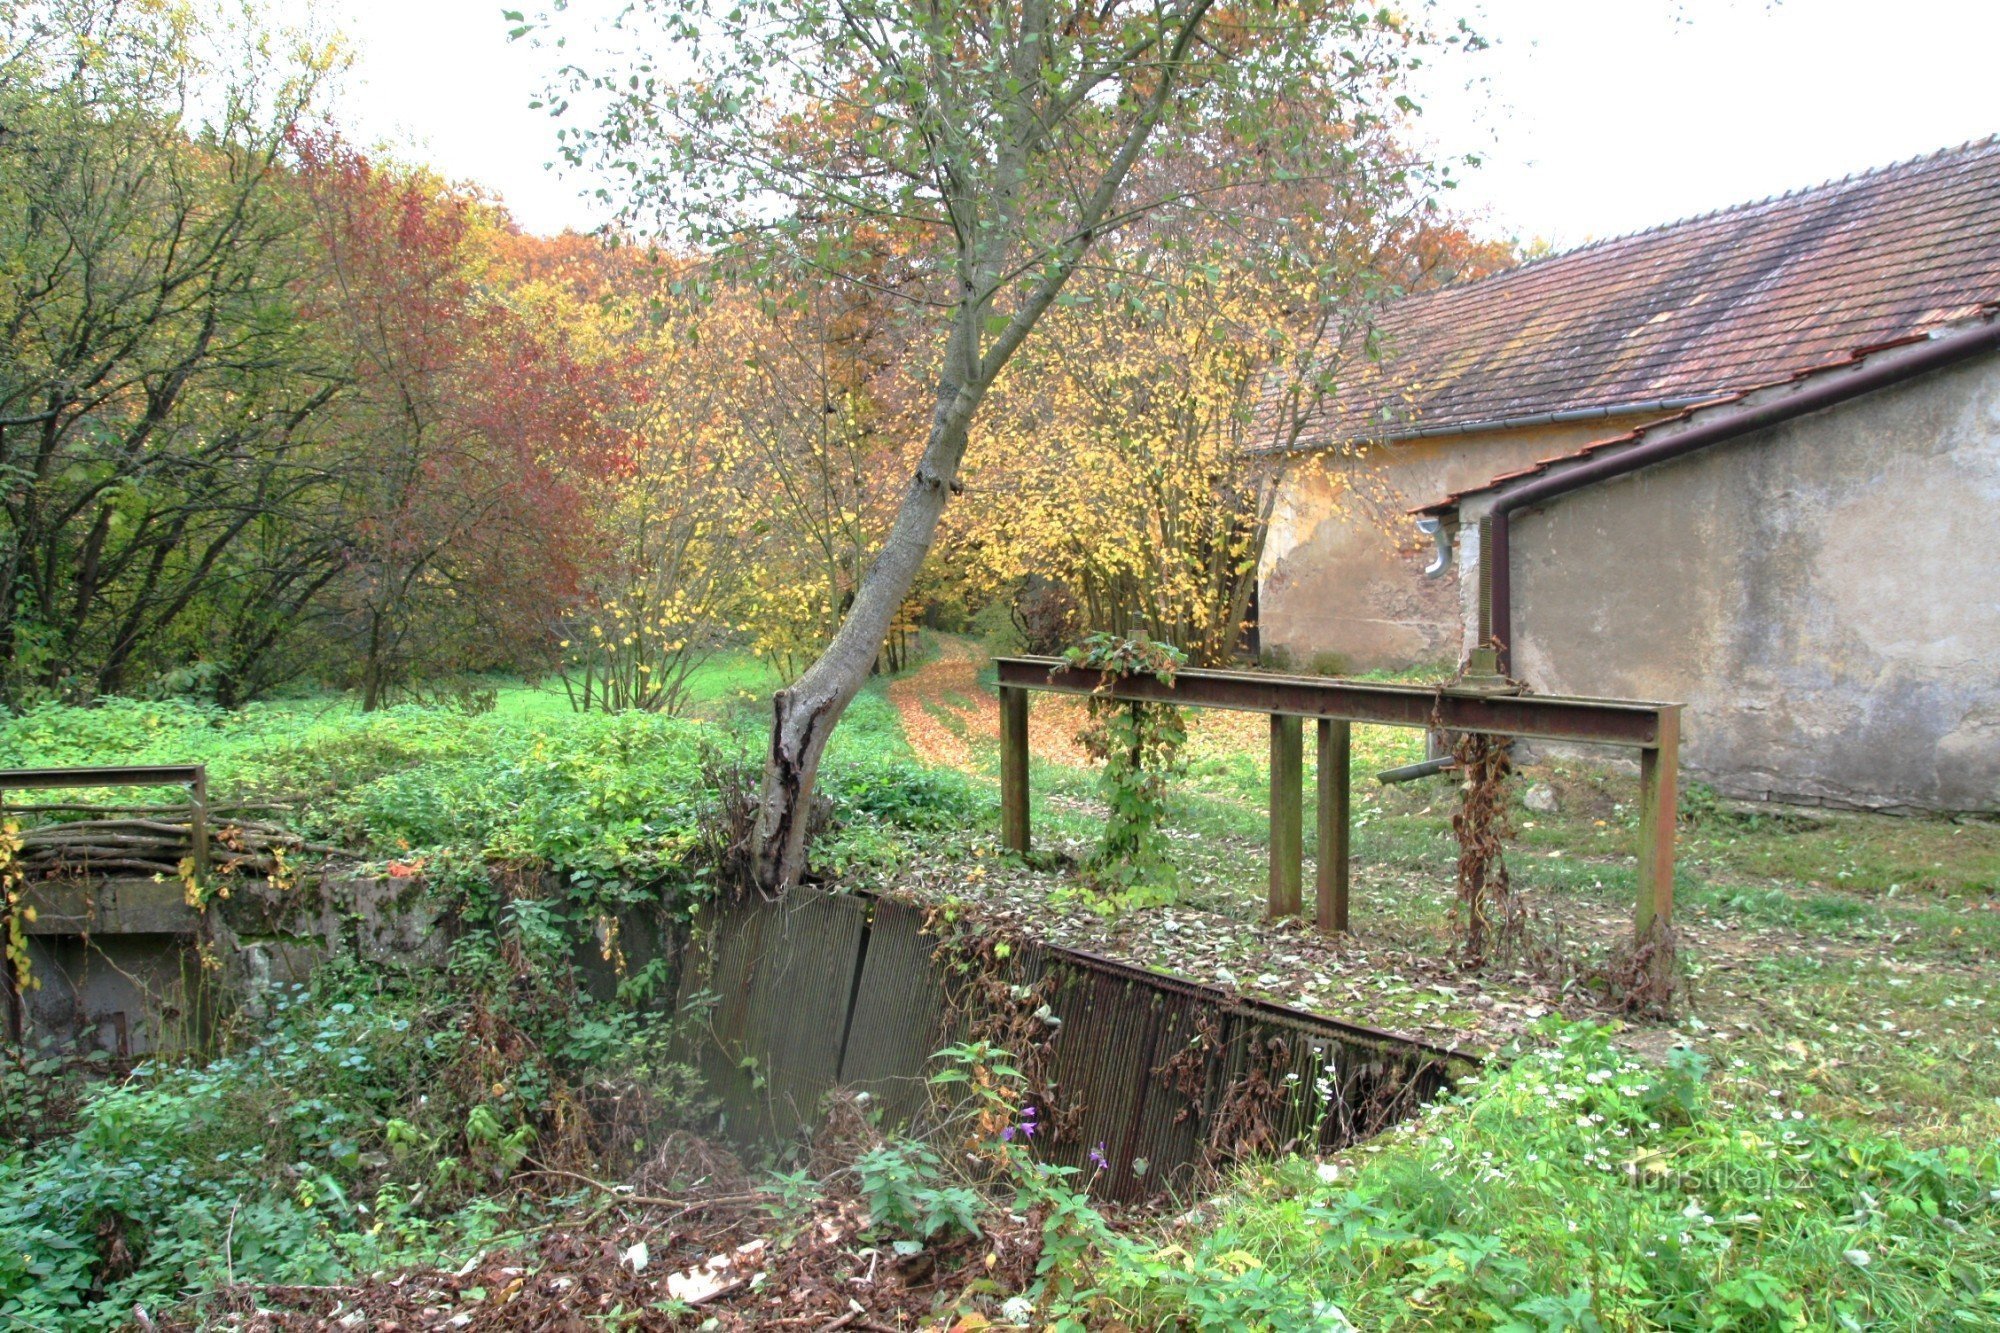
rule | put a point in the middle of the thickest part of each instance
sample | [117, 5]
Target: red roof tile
[1723, 402]
[1692, 310]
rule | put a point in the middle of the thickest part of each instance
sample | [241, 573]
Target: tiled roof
[1724, 403]
[1691, 310]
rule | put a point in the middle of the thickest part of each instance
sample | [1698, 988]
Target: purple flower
[1026, 1129]
[1098, 1159]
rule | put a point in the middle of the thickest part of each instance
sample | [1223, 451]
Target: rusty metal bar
[1659, 808]
[1652, 728]
[1014, 769]
[1452, 708]
[194, 777]
[1335, 826]
[1287, 814]
[131, 775]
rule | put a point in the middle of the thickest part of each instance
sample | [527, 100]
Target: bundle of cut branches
[157, 842]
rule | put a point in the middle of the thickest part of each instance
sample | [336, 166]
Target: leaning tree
[996, 143]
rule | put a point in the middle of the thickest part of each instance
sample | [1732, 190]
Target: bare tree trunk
[804, 713]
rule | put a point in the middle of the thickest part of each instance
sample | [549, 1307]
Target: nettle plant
[1140, 743]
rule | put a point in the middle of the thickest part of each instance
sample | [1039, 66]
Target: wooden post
[1014, 769]
[16, 1013]
[1659, 806]
[198, 822]
[1287, 813]
[1335, 829]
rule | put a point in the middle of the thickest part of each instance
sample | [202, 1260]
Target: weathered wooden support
[1014, 769]
[198, 821]
[1335, 827]
[1287, 814]
[1659, 808]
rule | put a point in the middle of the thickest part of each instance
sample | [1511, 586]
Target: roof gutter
[1494, 552]
[1547, 418]
[1491, 424]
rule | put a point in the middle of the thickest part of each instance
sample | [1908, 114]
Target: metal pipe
[1435, 529]
[1411, 772]
[1834, 389]
[1547, 418]
[1491, 424]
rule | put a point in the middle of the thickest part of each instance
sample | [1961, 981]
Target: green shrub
[1580, 1188]
[368, 1125]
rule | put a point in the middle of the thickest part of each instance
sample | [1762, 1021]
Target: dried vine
[16, 912]
[985, 1001]
[1486, 914]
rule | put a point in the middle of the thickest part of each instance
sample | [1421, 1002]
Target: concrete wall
[121, 966]
[1824, 596]
[1342, 585]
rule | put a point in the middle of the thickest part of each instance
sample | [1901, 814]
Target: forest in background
[277, 411]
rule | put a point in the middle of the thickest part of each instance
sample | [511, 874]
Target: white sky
[1594, 117]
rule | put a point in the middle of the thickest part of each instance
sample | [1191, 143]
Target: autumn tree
[824, 438]
[1006, 139]
[157, 382]
[1141, 438]
[666, 579]
[460, 528]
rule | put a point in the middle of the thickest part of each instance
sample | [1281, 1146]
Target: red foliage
[463, 413]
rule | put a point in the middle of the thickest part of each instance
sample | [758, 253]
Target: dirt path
[947, 714]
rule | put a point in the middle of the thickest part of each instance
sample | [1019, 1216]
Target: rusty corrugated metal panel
[782, 980]
[898, 1020]
[1169, 1077]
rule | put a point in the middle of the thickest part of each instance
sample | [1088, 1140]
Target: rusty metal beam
[1336, 830]
[131, 775]
[1659, 810]
[1453, 708]
[1287, 815]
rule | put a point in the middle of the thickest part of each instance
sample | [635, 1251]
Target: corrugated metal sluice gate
[822, 990]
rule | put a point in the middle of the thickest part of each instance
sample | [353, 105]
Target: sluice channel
[1163, 1077]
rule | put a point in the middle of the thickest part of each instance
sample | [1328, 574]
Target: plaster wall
[1341, 586]
[1824, 596]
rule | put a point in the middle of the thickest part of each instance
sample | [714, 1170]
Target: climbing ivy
[15, 913]
[1140, 744]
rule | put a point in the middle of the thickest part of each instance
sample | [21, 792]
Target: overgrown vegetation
[1581, 1188]
[1139, 743]
[385, 1117]
[1862, 1002]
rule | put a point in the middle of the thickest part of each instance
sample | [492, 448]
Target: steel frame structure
[1653, 729]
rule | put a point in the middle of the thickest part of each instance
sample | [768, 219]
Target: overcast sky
[1594, 117]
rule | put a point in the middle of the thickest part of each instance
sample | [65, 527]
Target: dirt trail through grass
[948, 715]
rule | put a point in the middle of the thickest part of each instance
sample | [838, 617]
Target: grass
[1843, 975]
[609, 795]
[1810, 1144]
[1580, 1188]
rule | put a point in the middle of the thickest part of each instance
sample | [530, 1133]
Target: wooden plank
[1659, 807]
[198, 822]
[1287, 814]
[1335, 826]
[1014, 769]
